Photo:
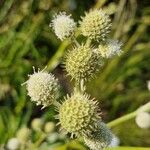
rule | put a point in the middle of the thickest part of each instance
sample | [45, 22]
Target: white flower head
[42, 87]
[143, 120]
[110, 49]
[148, 85]
[13, 144]
[63, 25]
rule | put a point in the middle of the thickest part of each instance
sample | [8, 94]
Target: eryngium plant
[78, 114]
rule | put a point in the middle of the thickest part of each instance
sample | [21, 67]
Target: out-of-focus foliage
[26, 40]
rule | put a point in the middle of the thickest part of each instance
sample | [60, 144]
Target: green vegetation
[26, 40]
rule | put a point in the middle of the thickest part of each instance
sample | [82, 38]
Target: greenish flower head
[99, 139]
[23, 134]
[78, 114]
[110, 48]
[43, 88]
[95, 25]
[83, 62]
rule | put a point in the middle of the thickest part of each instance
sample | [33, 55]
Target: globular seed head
[63, 25]
[95, 25]
[49, 127]
[78, 114]
[143, 120]
[37, 124]
[100, 138]
[110, 48]
[43, 88]
[83, 62]
[23, 134]
[13, 144]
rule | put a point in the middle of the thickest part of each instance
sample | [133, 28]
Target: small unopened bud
[37, 124]
[23, 134]
[49, 127]
[143, 120]
[13, 144]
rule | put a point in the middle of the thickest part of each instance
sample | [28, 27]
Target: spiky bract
[110, 48]
[78, 114]
[83, 62]
[63, 25]
[43, 88]
[99, 139]
[95, 25]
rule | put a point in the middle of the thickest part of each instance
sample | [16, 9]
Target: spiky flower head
[43, 88]
[23, 134]
[95, 25]
[78, 114]
[63, 25]
[143, 120]
[13, 144]
[110, 48]
[83, 62]
[100, 138]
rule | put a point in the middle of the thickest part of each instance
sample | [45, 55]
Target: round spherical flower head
[78, 114]
[83, 62]
[13, 144]
[49, 127]
[37, 124]
[148, 85]
[110, 48]
[100, 138]
[23, 134]
[143, 120]
[96, 25]
[43, 88]
[63, 25]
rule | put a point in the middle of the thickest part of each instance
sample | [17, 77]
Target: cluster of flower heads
[86, 58]
[78, 113]
[23, 138]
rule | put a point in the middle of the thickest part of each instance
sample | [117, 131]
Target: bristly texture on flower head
[43, 88]
[63, 25]
[96, 25]
[99, 139]
[83, 62]
[79, 114]
[110, 48]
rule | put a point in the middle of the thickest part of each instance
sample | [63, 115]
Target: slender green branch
[129, 116]
[54, 61]
[128, 148]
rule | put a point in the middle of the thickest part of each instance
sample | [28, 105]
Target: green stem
[54, 61]
[129, 116]
[128, 148]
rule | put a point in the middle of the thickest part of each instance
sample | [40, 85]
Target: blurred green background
[26, 40]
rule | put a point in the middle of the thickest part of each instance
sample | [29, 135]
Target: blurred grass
[26, 40]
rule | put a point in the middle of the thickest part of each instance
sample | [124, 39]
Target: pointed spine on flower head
[63, 25]
[78, 114]
[99, 139]
[110, 48]
[95, 25]
[43, 88]
[83, 62]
